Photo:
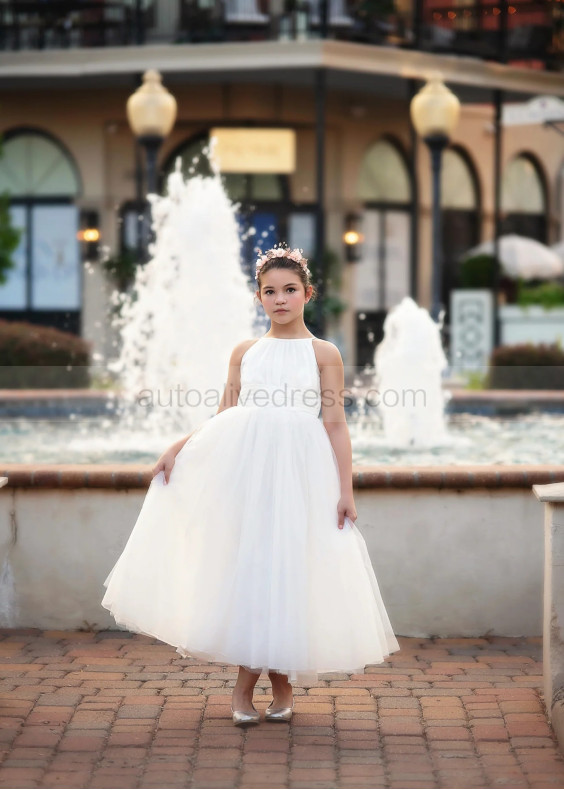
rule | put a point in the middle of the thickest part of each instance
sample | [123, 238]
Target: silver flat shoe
[241, 718]
[279, 714]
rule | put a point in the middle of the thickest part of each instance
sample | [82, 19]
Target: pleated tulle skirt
[239, 559]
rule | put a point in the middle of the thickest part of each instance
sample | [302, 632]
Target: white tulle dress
[239, 559]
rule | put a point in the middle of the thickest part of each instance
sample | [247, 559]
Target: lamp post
[151, 112]
[435, 111]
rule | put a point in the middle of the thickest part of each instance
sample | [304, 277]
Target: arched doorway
[45, 286]
[524, 202]
[264, 203]
[382, 275]
[460, 204]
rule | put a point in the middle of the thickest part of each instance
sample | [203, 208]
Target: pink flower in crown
[296, 255]
[280, 252]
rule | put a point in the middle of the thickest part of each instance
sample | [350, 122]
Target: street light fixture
[151, 112]
[435, 111]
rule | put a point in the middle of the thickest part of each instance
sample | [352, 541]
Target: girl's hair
[283, 262]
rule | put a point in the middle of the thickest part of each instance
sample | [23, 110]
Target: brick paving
[111, 709]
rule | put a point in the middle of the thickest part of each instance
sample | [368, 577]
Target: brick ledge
[125, 476]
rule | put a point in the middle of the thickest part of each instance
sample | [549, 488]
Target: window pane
[365, 272]
[33, 165]
[235, 186]
[266, 186]
[13, 175]
[266, 227]
[457, 185]
[301, 232]
[521, 188]
[56, 281]
[13, 293]
[383, 175]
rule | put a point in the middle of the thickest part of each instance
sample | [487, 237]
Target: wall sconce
[89, 234]
[353, 238]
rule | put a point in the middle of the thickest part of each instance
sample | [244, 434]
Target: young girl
[245, 550]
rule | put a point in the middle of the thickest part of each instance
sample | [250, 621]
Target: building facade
[70, 159]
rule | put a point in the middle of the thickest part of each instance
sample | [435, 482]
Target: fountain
[189, 305]
[409, 364]
[402, 410]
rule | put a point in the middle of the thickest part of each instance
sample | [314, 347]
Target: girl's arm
[233, 384]
[229, 398]
[334, 421]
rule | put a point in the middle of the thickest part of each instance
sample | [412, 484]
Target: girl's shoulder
[326, 352]
[240, 349]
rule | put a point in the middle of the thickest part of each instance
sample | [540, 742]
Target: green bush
[122, 267]
[34, 356]
[477, 272]
[547, 295]
[527, 366]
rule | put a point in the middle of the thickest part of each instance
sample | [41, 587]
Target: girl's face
[282, 295]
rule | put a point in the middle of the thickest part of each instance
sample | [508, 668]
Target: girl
[245, 550]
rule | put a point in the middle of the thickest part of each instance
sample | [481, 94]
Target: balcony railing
[515, 30]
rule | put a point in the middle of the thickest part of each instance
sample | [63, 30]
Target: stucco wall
[449, 562]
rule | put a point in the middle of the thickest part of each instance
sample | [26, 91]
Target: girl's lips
[280, 311]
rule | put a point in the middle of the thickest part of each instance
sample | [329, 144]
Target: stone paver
[112, 709]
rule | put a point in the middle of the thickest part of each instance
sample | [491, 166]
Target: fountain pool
[533, 438]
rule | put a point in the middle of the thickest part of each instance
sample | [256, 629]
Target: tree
[9, 235]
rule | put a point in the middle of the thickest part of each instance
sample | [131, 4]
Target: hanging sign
[243, 150]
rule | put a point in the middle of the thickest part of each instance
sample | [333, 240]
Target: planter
[533, 324]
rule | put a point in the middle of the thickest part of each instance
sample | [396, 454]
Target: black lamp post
[151, 112]
[435, 111]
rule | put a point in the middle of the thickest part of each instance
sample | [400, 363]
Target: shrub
[40, 356]
[477, 272]
[547, 295]
[527, 366]
[122, 267]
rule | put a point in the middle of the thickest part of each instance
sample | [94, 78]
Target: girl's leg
[242, 698]
[282, 691]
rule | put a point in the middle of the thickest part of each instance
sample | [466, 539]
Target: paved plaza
[111, 709]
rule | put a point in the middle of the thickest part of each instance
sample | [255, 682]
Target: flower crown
[281, 252]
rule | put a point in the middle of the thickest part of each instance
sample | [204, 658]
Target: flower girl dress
[239, 558]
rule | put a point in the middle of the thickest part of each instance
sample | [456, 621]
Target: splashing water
[189, 305]
[409, 363]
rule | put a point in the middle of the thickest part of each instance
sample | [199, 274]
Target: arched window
[42, 181]
[264, 200]
[460, 203]
[382, 276]
[34, 165]
[384, 176]
[524, 198]
[459, 184]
